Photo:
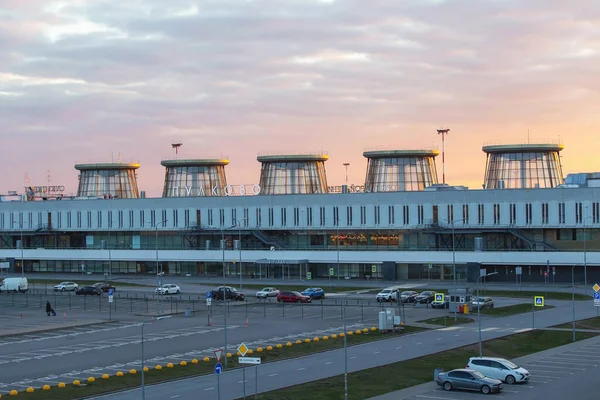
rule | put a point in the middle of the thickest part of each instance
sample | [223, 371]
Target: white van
[14, 285]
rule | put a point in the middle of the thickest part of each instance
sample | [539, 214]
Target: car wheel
[62, 290]
[510, 380]
[299, 301]
[447, 386]
[485, 389]
[178, 292]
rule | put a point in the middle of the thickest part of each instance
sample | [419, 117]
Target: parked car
[227, 293]
[482, 302]
[499, 368]
[267, 292]
[408, 296]
[314, 293]
[105, 287]
[387, 295]
[468, 379]
[17, 285]
[168, 289]
[441, 304]
[425, 297]
[66, 287]
[93, 290]
[293, 297]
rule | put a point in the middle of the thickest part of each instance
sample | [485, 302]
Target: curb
[27, 332]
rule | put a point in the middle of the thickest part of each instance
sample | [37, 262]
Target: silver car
[468, 379]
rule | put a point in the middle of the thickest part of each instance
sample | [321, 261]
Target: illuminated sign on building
[229, 190]
[45, 189]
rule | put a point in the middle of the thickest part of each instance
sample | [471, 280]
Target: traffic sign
[218, 354]
[439, 297]
[597, 299]
[373, 269]
[308, 276]
[111, 291]
[208, 301]
[209, 295]
[242, 349]
[331, 272]
[430, 265]
[519, 271]
[539, 301]
[596, 287]
[249, 360]
[218, 369]
[110, 298]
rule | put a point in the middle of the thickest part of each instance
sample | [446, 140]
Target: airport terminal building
[401, 224]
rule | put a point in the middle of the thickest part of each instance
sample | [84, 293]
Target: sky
[97, 80]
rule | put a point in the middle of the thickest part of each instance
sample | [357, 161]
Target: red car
[293, 297]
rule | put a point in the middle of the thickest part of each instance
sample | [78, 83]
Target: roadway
[322, 365]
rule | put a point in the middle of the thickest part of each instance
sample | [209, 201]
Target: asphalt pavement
[322, 365]
[564, 372]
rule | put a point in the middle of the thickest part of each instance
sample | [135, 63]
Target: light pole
[479, 308]
[143, 359]
[345, 350]
[585, 252]
[224, 284]
[239, 226]
[573, 297]
[452, 222]
[158, 272]
[337, 248]
[346, 164]
[22, 255]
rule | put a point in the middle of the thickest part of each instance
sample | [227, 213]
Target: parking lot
[544, 371]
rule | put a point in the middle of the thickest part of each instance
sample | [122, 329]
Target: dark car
[425, 297]
[441, 304]
[227, 293]
[93, 290]
[293, 297]
[105, 287]
[408, 296]
[468, 379]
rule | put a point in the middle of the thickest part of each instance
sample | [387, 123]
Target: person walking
[49, 309]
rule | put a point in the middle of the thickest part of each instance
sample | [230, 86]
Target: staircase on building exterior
[268, 239]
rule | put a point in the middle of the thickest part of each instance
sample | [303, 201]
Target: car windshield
[481, 300]
[296, 294]
[405, 293]
[266, 289]
[510, 365]
[309, 289]
[64, 283]
[386, 291]
[477, 375]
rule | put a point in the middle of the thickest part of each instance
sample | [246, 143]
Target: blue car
[314, 293]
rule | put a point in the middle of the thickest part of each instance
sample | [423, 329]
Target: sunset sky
[87, 80]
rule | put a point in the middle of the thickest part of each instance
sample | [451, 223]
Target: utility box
[458, 298]
[386, 320]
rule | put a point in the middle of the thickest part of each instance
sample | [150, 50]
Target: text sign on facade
[229, 190]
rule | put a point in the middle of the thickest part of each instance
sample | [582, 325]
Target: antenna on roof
[443, 132]
[176, 146]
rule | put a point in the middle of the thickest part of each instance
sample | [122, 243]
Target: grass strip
[590, 323]
[447, 320]
[521, 308]
[377, 381]
[204, 366]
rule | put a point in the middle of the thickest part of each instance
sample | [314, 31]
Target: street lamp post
[452, 222]
[158, 268]
[345, 350]
[239, 226]
[337, 248]
[22, 254]
[478, 310]
[573, 297]
[585, 252]
[143, 358]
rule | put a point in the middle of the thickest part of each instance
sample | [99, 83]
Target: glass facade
[109, 180]
[398, 171]
[523, 170]
[294, 175]
[194, 178]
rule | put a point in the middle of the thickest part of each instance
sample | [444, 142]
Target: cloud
[85, 79]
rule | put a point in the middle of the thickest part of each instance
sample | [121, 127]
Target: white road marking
[271, 375]
[301, 369]
[328, 362]
[210, 388]
[398, 348]
[174, 397]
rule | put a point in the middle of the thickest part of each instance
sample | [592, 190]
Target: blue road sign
[596, 295]
[218, 369]
[111, 291]
[539, 301]
[209, 295]
[439, 297]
